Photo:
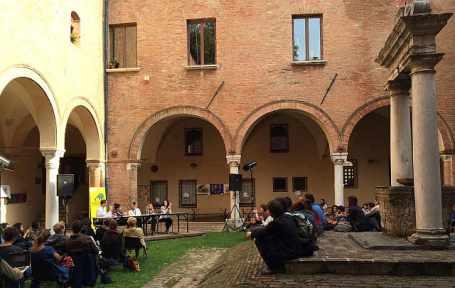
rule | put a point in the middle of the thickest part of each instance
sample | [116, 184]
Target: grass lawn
[164, 252]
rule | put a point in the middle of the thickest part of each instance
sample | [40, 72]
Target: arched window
[75, 30]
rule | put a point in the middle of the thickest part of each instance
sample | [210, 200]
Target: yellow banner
[96, 195]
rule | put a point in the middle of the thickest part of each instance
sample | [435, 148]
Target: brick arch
[365, 109]
[135, 149]
[358, 115]
[315, 113]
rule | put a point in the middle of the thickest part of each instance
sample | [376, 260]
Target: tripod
[234, 224]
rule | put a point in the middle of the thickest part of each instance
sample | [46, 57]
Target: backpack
[305, 228]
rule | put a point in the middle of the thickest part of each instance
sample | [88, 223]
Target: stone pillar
[52, 162]
[427, 180]
[339, 159]
[447, 165]
[234, 163]
[400, 132]
[95, 173]
[132, 176]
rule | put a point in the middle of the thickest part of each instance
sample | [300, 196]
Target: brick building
[199, 88]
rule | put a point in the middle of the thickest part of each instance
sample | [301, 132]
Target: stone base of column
[397, 208]
[437, 239]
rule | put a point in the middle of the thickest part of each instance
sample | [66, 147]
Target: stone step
[205, 226]
[411, 267]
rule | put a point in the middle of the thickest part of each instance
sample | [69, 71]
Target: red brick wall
[254, 52]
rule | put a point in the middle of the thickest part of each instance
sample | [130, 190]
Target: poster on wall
[96, 195]
[216, 189]
[203, 189]
[18, 198]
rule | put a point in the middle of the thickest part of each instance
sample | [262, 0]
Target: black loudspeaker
[65, 185]
[235, 182]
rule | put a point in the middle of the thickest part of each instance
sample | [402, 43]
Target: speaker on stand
[65, 190]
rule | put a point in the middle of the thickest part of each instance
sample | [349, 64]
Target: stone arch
[370, 106]
[39, 100]
[135, 149]
[83, 116]
[315, 113]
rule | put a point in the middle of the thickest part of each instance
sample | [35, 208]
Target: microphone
[249, 166]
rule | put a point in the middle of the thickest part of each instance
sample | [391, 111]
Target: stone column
[427, 180]
[132, 176]
[447, 165]
[52, 162]
[234, 163]
[400, 132]
[95, 173]
[339, 159]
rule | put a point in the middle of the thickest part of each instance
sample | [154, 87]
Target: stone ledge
[123, 70]
[309, 63]
[201, 67]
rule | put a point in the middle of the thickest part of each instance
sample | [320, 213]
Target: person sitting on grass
[7, 248]
[111, 244]
[133, 231]
[279, 241]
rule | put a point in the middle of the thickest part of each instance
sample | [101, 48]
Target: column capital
[233, 160]
[446, 156]
[420, 63]
[95, 163]
[398, 87]
[52, 157]
[339, 158]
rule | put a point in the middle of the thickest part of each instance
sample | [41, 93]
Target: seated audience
[342, 222]
[57, 240]
[83, 251]
[323, 205]
[12, 276]
[166, 209]
[7, 248]
[111, 244]
[20, 241]
[45, 262]
[356, 218]
[134, 211]
[279, 241]
[320, 219]
[266, 217]
[101, 212]
[117, 212]
[101, 229]
[87, 227]
[374, 215]
[33, 232]
[133, 231]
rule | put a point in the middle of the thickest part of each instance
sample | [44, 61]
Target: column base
[437, 239]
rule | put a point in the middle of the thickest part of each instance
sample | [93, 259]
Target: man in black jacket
[279, 241]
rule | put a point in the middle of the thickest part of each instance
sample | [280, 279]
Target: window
[122, 46]
[201, 42]
[299, 184]
[158, 192]
[307, 40]
[187, 193]
[247, 197]
[279, 138]
[350, 175]
[193, 141]
[280, 184]
[75, 28]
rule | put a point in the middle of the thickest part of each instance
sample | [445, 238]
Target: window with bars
[247, 197]
[350, 175]
[188, 193]
[299, 184]
[201, 42]
[122, 46]
[158, 192]
[307, 38]
[193, 142]
[280, 184]
[279, 138]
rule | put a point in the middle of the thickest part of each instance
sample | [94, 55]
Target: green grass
[164, 252]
